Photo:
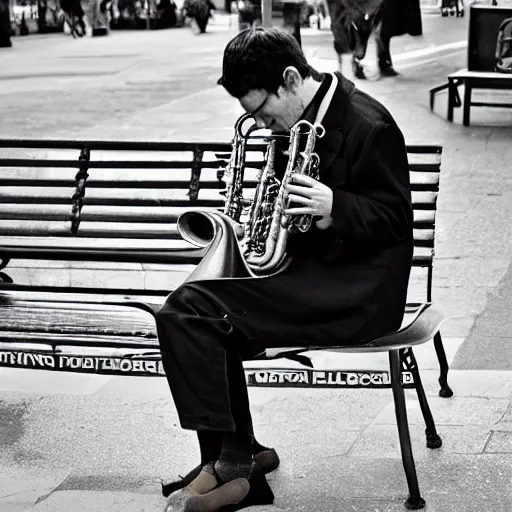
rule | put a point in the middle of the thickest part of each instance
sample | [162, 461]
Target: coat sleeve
[378, 206]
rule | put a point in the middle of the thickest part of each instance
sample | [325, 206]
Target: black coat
[397, 17]
[401, 17]
[348, 283]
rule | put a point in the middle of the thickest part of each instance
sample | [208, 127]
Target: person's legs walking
[383, 40]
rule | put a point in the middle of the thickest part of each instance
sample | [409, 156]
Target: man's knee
[189, 299]
[179, 301]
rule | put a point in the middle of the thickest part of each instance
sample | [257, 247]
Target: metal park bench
[481, 73]
[472, 80]
[118, 202]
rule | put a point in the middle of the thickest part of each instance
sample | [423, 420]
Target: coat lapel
[330, 145]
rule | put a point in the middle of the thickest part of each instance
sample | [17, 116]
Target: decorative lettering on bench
[110, 365]
[323, 379]
[143, 366]
[271, 377]
[28, 360]
[195, 175]
[78, 196]
[83, 364]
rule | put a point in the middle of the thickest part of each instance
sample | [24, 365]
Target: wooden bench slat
[137, 197]
[424, 217]
[128, 194]
[142, 146]
[34, 211]
[422, 257]
[152, 214]
[423, 234]
[112, 145]
[110, 184]
[24, 175]
[112, 164]
[128, 230]
[205, 184]
[35, 228]
[427, 167]
[89, 229]
[424, 178]
[424, 200]
[66, 243]
[125, 254]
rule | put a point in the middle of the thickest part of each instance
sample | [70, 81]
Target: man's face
[276, 111]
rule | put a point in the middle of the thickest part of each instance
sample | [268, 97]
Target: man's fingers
[300, 211]
[303, 179]
[300, 190]
[294, 198]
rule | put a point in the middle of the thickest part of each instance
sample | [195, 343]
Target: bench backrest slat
[79, 199]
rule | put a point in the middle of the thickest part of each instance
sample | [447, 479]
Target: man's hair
[256, 59]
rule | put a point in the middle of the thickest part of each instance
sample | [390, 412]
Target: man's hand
[310, 197]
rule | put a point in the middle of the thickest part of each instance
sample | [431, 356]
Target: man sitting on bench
[346, 284]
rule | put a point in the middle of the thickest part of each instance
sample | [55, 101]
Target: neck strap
[326, 100]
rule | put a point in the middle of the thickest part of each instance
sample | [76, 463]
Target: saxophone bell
[199, 227]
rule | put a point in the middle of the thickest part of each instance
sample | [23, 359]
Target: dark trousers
[202, 356]
[383, 42]
[207, 328]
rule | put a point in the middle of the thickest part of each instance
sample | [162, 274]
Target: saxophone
[257, 247]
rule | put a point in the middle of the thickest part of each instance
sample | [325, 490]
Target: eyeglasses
[262, 104]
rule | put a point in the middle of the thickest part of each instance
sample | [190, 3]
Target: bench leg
[467, 104]
[433, 439]
[414, 501]
[452, 94]
[434, 91]
[445, 391]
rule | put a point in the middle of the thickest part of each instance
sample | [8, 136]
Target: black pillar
[291, 18]
[5, 24]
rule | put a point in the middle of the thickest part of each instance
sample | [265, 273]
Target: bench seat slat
[55, 318]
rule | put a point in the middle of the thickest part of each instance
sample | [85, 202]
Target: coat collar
[330, 144]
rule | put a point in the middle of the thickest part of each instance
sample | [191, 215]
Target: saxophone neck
[270, 155]
[236, 169]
